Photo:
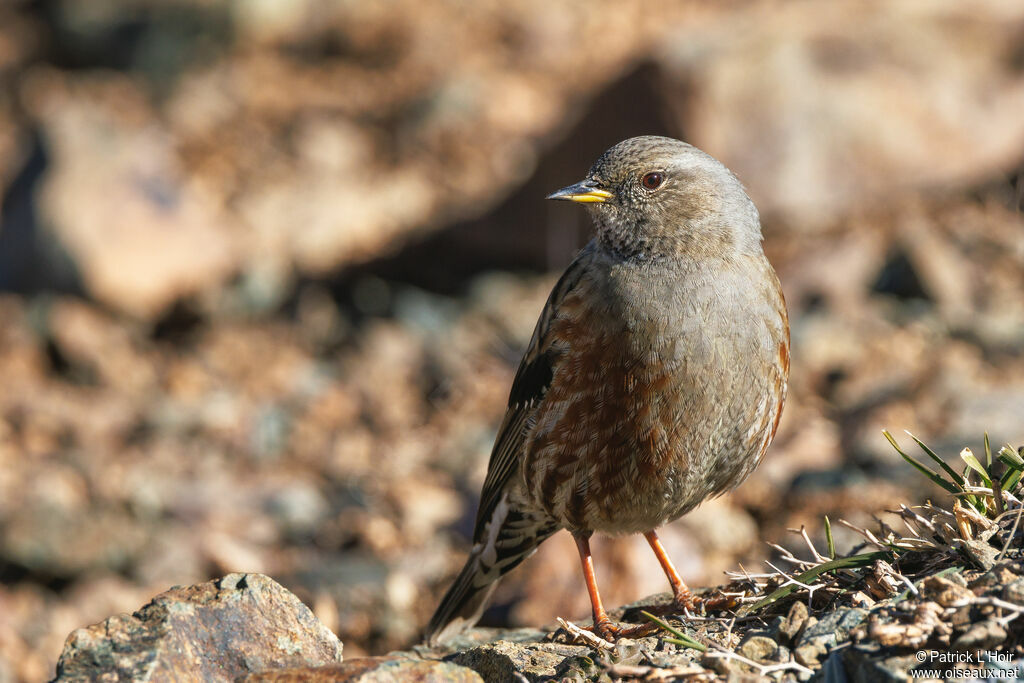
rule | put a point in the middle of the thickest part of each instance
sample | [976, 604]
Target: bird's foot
[685, 601]
[718, 601]
[612, 632]
[682, 603]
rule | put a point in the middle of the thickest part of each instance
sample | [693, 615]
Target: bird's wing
[531, 383]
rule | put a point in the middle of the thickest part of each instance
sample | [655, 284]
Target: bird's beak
[585, 192]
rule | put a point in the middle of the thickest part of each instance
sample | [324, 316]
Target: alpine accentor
[654, 380]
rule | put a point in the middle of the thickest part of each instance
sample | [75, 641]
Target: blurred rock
[983, 636]
[217, 631]
[818, 109]
[116, 196]
[59, 539]
[254, 140]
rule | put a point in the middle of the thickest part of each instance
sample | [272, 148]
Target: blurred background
[267, 268]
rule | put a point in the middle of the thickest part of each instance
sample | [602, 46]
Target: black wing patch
[532, 380]
[534, 376]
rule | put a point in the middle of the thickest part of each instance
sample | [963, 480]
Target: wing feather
[532, 380]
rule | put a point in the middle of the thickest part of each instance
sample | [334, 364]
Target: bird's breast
[650, 397]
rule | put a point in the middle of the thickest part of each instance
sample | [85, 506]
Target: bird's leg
[603, 625]
[681, 595]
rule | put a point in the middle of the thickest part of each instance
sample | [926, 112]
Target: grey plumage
[655, 376]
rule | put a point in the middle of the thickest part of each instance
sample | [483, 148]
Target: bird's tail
[507, 540]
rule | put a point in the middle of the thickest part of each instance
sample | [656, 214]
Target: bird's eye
[652, 181]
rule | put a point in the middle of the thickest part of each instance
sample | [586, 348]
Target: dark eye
[652, 181]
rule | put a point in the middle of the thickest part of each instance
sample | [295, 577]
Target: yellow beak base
[584, 192]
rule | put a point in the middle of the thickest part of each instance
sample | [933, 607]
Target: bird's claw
[612, 632]
[685, 601]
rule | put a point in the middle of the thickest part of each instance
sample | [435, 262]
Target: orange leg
[682, 595]
[603, 625]
[601, 621]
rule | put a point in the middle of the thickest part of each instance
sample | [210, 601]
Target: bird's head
[655, 197]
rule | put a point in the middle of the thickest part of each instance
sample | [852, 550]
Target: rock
[504, 660]
[794, 622]
[830, 629]
[1014, 592]
[371, 670]
[981, 553]
[579, 668]
[984, 635]
[257, 181]
[807, 655]
[999, 575]
[858, 664]
[860, 88]
[720, 665]
[65, 541]
[945, 591]
[118, 199]
[214, 631]
[759, 648]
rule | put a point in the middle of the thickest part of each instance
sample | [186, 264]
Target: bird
[654, 380]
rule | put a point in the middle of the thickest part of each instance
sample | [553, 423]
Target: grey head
[654, 197]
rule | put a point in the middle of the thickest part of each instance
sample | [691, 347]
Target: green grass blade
[1015, 467]
[686, 643]
[1010, 479]
[924, 469]
[972, 461]
[957, 479]
[975, 501]
[863, 560]
[680, 637]
[988, 453]
[933, 475]
[829, 540]
[1011, 458]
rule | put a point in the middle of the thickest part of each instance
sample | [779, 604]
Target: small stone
[629, 652]
[505, 661]
[861, 599]
[831, 628]
[960, 617]
[794, 622]
[953, 590]
[719, 665]
[759, 648]
[984, 635]
[957, 578]
[578, 668]
[981, 553]
[807, 655]
[863, 665]
[1000, 575]
[1014, 592]
[945, 592]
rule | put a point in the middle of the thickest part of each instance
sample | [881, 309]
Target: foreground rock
[861, 627]
[371, 670]
[214, 631]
